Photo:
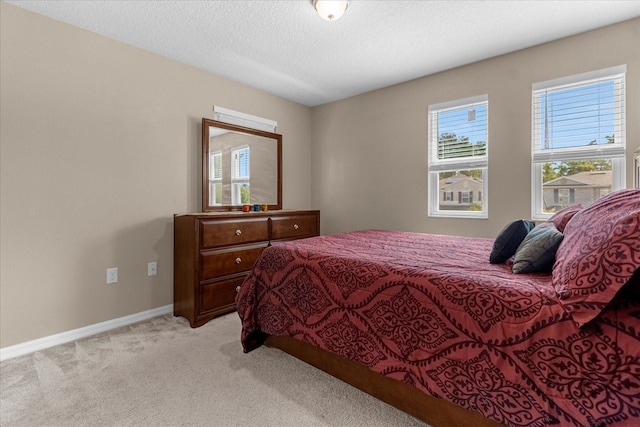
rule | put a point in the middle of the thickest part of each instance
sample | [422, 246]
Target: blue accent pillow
[509, 239]
[537, 252]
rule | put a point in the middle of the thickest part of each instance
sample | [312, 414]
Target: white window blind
[216, 165]
[458, 134]
[215, 178]
[584, 118]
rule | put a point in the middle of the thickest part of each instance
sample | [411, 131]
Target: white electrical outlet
[112, 275]
[152, 268]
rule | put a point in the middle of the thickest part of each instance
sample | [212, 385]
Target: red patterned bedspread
[431, 311]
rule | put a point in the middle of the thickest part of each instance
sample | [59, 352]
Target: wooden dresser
[213, 253]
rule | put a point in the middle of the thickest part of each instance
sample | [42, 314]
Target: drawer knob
[237, 289]
[238, 260]
[238, 232]
[295, 226]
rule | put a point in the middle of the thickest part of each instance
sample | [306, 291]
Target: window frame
[615, 151]
[436, 166]
[214, 180]
[239, 181]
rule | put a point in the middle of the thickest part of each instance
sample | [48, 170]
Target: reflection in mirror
[240, 166]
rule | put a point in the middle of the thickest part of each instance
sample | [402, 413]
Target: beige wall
[100, 143]
[370, 151]
[100, 146]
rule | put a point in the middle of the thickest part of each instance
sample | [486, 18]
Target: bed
[429, 325]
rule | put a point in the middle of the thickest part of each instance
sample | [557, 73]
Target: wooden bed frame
[433, 411]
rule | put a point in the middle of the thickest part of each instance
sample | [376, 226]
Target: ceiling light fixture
[331, 10]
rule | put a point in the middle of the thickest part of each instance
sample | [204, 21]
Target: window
[564, 196]
[578, 140]
[240, 174]
[215, 178]
[458, 158]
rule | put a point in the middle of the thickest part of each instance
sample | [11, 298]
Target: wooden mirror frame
[206, 124]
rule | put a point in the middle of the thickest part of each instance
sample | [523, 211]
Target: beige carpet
[163, 373]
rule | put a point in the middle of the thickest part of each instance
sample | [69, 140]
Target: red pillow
[562, 217]
[599, 253]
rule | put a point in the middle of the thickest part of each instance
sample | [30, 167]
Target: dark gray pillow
[537, 252]
[509, 239]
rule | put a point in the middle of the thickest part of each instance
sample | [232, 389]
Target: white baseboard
[75, 334]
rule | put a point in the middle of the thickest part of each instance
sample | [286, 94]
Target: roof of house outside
[583, 179]
[445, 182]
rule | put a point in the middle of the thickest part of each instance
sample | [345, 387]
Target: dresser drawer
[223, 263]
[294, 227]
[216, 233]
[219, 295]
[213, 252]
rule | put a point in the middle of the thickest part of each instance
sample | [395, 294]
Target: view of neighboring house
[582, 187]
[459, 192]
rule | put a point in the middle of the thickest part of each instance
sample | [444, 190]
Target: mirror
[240, 166]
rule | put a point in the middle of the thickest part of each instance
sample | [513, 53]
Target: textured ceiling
[285, 48]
